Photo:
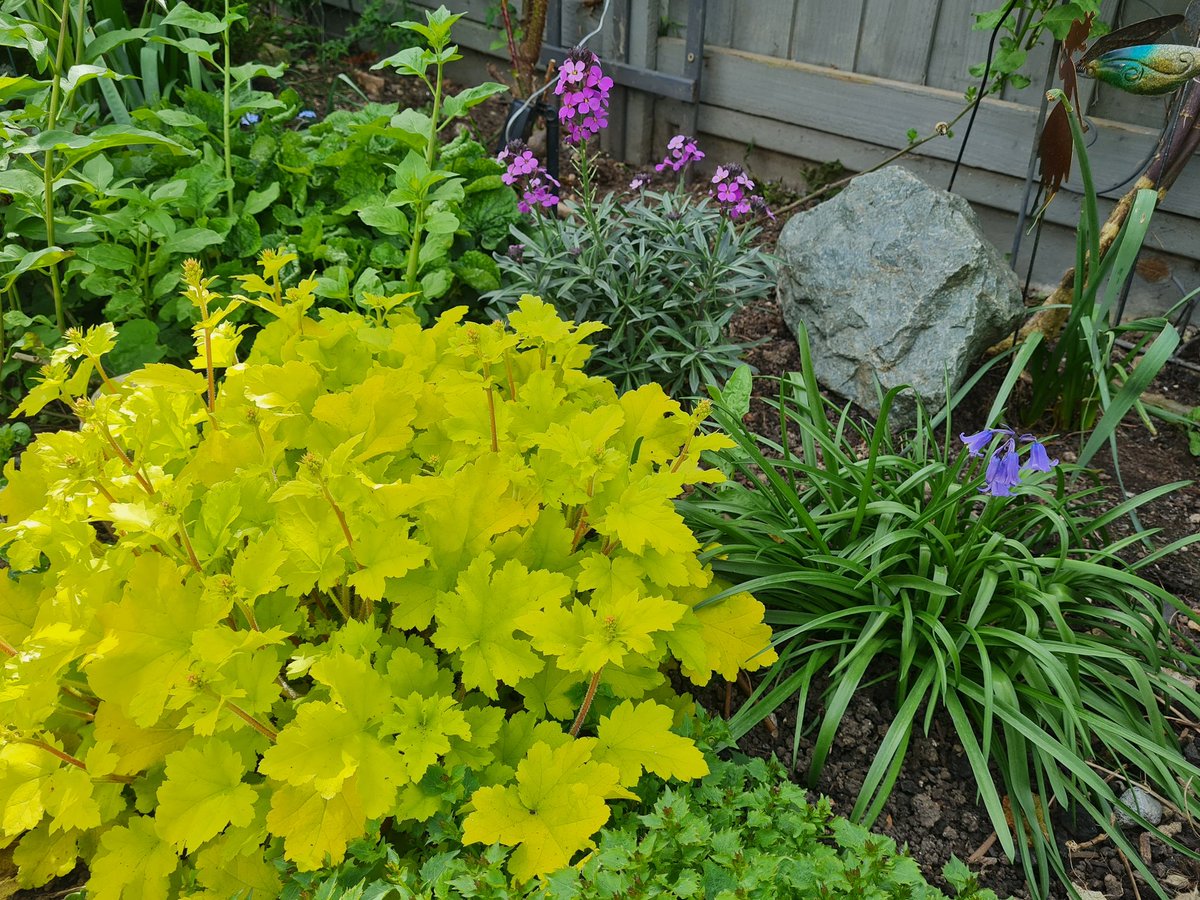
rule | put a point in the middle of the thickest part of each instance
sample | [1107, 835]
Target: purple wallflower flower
[733, 189]
[640, 181]
[527, 175]
[681, 150]
[584, 90]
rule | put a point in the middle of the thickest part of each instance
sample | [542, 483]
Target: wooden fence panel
[895, 39]
[956, 46]
[826, 34]
[766, 30]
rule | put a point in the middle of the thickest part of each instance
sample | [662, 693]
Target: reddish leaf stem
[258, 726]
[587, 703]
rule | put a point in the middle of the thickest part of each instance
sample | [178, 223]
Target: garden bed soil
[933, 808]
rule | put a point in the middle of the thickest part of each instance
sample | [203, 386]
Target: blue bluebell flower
[1039, 460]
[308, 114]
[977, 442]
[250, 119]
[1004, 467]
[1003, 471]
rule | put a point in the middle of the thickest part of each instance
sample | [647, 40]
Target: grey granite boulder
[894, 281]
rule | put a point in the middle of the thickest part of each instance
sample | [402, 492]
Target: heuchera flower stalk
[1004, 467]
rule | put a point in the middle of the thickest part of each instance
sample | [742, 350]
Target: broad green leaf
[480, 620]
[557, 804]
[183, 16]
[639, 738]
[315, 827]
[202, 794]
[132, 862]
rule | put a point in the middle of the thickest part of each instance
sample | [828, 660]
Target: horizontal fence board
[881, 112]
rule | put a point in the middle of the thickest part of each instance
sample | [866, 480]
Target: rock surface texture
[895, 281]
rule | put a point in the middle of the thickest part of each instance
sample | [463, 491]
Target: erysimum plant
[665, 273]
[1015, 617]
[373, 575]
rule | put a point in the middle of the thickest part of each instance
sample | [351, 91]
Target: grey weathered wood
[826, 34]
[956, 47]
[718, 25]
[639, 113]
[881, 112]
[764, 26]
[895, 38]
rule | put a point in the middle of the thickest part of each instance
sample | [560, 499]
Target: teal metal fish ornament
[1146, 69]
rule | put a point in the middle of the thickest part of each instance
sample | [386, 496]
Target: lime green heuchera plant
[375, 574]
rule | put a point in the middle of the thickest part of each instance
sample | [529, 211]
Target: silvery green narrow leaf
[1147, 69]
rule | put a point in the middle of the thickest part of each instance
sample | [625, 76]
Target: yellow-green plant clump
[375, 574]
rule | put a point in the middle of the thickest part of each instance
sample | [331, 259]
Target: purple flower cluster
[732, 188]
[584, 89]
[1004, 465]
[527, 175]
[681, 150]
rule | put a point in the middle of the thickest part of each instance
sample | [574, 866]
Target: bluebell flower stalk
[1004, 468]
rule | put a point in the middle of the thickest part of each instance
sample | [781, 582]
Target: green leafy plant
[13, 436]
[125, 220]
[428, 192]
[664, 272]
[1077, 376]
[1015, 617]
[744, 831]
[1023, 26]
[375, 573]
[40, 137]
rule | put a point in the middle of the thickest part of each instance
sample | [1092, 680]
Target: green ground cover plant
[1014, 616]
[377, 200]
[375, 574]
[743, 831]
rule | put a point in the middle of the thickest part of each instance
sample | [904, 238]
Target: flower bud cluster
[528, 176]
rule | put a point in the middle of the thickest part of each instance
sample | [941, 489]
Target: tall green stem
[64, 20]
[226, 93]
[80, 24]
[589, 199]
[414, 247]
